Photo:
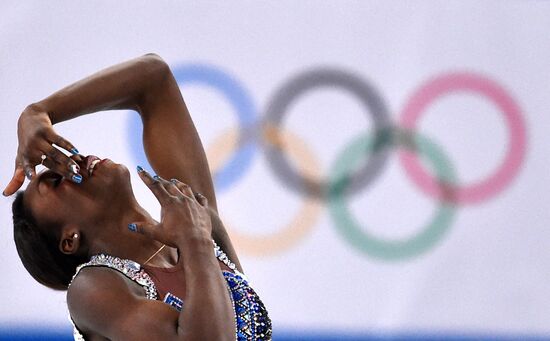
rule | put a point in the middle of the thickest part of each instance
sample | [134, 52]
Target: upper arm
[173, 146]
[170, 139]
[102, 301]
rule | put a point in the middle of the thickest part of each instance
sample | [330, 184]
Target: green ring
[387, 249]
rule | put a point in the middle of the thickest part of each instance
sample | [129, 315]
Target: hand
[36, 138]
[184, 214]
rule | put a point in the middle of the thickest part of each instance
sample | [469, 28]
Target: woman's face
[55, 200]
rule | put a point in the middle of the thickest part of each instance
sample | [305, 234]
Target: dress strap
[128, 268]
[222, 256]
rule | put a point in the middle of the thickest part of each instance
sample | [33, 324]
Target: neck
[114, 237]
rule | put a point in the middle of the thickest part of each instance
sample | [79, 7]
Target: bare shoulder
[92, 282]
[98, 295]
[106, 303]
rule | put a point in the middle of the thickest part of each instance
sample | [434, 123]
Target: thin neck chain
[154, 254]
[222, 256]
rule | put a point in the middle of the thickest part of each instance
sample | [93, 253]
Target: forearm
[208, 312]
[122, 86]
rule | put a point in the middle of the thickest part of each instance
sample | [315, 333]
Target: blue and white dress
[251, 318]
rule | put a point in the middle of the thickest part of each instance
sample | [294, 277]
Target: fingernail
[156, 177]
[174, 181]
[4, 194]
[139, 169]
[74, 151]
[132, 227]
[28, 174]
[74, 168]
[77, 178]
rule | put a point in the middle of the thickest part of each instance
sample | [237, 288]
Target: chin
[120, 176]
[112, 178]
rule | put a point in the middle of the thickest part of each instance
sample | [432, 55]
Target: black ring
[326, 77]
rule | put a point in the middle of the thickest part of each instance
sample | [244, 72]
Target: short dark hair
[39, 250]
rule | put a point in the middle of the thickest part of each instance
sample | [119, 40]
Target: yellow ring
[304, 220]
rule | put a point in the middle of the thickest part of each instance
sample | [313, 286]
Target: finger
[149, 230]
[63, 143]
[62, 164]
[29, 170]
[154, 185]
[77, 157]
[170, 187]
[152, 231]
[201, 199]
[183, 188]
[56, 167]
[16, 182]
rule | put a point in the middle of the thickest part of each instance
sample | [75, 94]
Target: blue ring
[239, 99]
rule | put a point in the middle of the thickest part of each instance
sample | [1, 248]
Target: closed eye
[57, 181]
[53, 178]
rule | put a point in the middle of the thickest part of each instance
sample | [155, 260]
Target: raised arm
[146, 85]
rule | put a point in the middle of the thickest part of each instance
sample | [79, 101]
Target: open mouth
[91, 162]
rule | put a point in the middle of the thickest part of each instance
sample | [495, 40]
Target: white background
[488, 274]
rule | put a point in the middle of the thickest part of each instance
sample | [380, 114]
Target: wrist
[195, 241]
[32, 120]
[37, 109]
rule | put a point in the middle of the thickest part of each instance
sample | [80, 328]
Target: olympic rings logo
[359, 163]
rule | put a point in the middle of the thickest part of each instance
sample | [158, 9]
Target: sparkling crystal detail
[173, 301]
[251, 319]
[129, 268]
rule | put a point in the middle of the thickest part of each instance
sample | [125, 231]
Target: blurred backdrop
[382, 166]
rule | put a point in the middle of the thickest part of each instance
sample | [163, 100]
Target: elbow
[153, 58]
[155, 65]
[155, 77]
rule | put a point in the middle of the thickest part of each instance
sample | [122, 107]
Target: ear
[70, 240]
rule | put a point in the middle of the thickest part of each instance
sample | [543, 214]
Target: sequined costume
[251, 318]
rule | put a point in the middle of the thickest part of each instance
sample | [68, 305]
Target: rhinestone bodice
[251, 318]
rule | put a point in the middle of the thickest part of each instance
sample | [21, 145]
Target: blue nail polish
[132, 227]
[139, 169]
[156, 177]
[77, 178]
[28, 174]
[74, 151]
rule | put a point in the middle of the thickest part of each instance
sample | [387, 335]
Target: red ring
[442, 85]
